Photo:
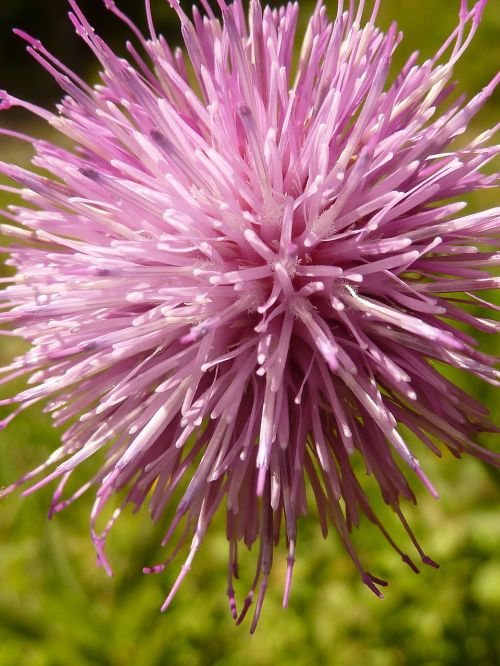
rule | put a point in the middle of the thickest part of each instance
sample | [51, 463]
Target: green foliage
[58, 608]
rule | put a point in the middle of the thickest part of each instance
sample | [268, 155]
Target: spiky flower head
[241, 273]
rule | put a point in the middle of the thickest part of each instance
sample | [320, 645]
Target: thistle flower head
[242, 272]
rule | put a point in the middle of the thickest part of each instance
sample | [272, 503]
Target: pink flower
[233, 281]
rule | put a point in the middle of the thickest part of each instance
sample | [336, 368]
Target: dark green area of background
[58, 609]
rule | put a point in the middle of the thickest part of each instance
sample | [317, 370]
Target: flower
[236, 278]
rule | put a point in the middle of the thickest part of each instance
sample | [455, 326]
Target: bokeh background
[58, 609]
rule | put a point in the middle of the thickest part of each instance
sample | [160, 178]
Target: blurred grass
[57, 608]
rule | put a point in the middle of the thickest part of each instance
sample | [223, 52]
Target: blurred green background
[58, 609]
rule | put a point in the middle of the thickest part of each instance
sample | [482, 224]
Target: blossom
[237, 276]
